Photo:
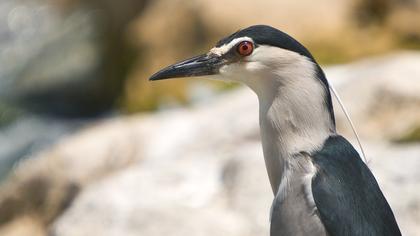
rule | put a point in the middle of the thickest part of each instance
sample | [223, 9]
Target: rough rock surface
[200, 171]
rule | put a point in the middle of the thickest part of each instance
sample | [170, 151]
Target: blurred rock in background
[73, 161]
[61, 62]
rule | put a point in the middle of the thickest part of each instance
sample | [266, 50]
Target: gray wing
[347, 196]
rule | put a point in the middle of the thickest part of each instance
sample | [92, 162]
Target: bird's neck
[294, 118]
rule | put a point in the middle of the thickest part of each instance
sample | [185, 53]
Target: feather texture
[346, 194]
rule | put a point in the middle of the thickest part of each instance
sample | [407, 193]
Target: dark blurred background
[69, 65]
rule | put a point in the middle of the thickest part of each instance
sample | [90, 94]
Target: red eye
[245, 48]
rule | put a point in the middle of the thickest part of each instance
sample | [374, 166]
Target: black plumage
[347, 196]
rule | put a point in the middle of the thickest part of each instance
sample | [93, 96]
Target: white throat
[294, 117]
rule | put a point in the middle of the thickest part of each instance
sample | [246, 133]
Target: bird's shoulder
[347, 196]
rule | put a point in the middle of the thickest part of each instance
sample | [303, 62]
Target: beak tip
[156, 76]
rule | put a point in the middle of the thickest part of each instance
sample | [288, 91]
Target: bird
[320, 184]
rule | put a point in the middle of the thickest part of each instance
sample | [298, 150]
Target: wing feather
[347, 196]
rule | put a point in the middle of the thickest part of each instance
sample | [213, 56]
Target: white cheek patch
[276, 57]
[229, 70]
[255, 66]
[241, 72]
[232, 72]
[226, 47]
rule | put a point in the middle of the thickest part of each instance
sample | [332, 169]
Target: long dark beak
[206, 64]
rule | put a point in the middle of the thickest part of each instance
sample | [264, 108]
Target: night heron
[321, 185]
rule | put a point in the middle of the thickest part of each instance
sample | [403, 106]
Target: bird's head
[258, 55]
